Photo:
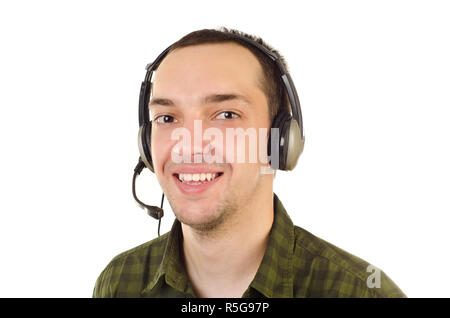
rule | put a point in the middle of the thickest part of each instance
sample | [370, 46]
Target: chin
[198, 214]
[195, 219]
[206, 217]
[198, 209]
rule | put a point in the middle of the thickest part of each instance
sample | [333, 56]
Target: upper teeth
[197, 176]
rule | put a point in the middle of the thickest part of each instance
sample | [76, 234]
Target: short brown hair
[270, 84]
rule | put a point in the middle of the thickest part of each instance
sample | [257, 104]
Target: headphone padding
[280, 122]
[145, 145]
[284, 136]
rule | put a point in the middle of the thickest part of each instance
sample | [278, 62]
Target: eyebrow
[209, 99]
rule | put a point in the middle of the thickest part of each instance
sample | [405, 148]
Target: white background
[373, 78]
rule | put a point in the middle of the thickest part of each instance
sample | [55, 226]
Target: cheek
[246, 147]
[160, 147]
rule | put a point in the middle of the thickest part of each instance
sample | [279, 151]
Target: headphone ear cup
[290, 141]
[144, 143]
[293, 144]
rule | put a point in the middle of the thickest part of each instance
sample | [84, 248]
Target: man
[232, 236]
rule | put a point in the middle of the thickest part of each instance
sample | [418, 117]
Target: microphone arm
[153, 211]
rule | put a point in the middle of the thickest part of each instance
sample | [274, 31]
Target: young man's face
[184, 87]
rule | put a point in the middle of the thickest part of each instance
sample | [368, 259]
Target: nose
[191, 146]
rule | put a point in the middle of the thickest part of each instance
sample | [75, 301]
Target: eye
[227, 115]
[164, 119]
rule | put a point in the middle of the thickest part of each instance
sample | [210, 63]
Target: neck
[225, 263]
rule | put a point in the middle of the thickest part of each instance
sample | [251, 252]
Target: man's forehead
[223, 50]
[210, 61]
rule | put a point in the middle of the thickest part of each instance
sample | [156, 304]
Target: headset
[288, 137]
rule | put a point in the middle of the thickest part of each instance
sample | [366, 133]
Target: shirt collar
[274, 277]
[172, 265]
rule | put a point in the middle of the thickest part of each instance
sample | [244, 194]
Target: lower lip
[195, 189]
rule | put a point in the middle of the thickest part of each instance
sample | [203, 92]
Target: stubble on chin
[216, 222]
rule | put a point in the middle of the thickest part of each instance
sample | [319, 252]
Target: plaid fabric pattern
[295, 264]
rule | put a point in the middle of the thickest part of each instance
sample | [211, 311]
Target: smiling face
[216, 86]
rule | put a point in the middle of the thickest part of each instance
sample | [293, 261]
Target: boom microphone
[153, 211]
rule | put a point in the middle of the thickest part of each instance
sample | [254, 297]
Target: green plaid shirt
[295, 264]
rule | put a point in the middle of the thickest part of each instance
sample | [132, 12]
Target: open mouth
[196, 183]
[194, 179]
